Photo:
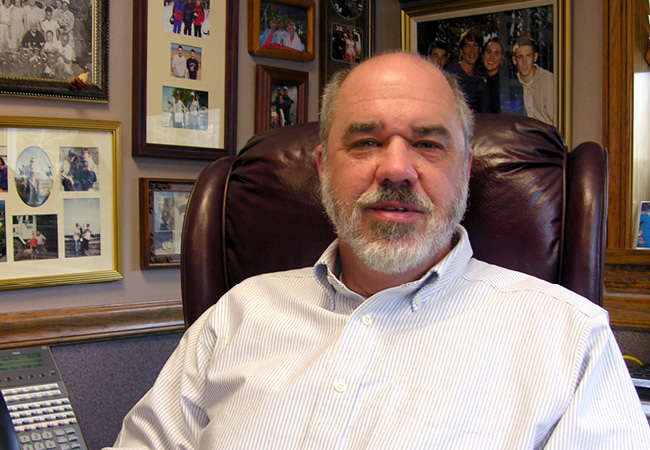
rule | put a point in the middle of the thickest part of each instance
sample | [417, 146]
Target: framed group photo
[511, 57]
[281, 29]
[184, 78]
[347, 35]
[162, 210]
[280, 97]
[54, 49]
[59, 201]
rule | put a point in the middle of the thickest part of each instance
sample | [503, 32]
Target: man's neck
[366, 282]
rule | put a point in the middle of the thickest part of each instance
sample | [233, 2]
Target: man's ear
[535, 56]
[319, 160]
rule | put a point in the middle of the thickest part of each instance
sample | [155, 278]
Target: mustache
[393, 193]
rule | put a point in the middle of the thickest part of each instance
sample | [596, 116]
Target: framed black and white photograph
[347, 35]
[280, 97]
[511, 57]
[185, 46]
[54, 49]
[162, 210]
[281, 29]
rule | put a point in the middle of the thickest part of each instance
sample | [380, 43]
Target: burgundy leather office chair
[534, 206]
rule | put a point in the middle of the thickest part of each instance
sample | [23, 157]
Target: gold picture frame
[60, 215]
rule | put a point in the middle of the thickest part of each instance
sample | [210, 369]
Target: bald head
[378, 75]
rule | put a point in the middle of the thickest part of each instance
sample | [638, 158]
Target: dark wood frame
[264, 77]
[627, 270]
[148, 187]
[96, 91]
[254, 47]
[366, 21]
[140, 146]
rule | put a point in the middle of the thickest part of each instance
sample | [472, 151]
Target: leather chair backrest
[533, 207]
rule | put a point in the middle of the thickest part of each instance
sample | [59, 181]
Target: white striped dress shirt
[471, 356]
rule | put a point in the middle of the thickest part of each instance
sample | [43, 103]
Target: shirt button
[366, 320]
[340, 386]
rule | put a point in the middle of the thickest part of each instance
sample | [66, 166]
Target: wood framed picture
[281, 29]
[56, 50]
[347, 35]
[185, 78]
[280, 97]
[511, 57]
[162, 210]
[59, 202]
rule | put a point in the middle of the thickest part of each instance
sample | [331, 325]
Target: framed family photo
[59, 201]
[162, 210]
[184, 78]
[347, 35]
[55, 49]
[280, 97]
[281, 29]
[511, 57]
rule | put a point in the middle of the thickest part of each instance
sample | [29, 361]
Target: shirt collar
[328, 268]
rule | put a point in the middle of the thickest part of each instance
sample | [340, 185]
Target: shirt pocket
[416, 417]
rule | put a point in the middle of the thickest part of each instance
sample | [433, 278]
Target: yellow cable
[633, 359]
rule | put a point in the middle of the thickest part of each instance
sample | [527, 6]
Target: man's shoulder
[501, 280]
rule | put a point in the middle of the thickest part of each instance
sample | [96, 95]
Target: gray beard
[394, 247]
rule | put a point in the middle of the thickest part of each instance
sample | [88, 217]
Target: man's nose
[396, 165]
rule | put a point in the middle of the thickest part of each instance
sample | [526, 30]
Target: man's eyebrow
[428, 130]
[362, 127]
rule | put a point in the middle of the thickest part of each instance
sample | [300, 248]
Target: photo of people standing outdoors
[283, 105]
[184, 108]
[187, 17]
[33, 176]
[185, 62]
[81, 227]
[35, 237]
[504, 60]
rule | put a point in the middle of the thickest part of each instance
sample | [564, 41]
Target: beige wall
[164, 284]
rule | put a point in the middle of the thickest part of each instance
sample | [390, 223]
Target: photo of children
[35, 237]
[187, 17]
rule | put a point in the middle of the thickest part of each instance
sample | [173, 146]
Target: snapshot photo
[504, 59]
[33, 176]
[79, 168]
[348, 9]
[283, 105]
[187, 17]
[45, 38]
[4, 187]
[35, 237]
[185, 61]
[184, 108]
[81, 227]
[643, 229]
[282, 26]
[346, 43]
[3, 233]
[169, 212]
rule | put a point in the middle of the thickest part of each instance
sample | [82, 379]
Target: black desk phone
[35, 412]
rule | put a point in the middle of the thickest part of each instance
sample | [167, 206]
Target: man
[68, 169]
[40, 244]
[397, 338]
[466, 69]
[538, 83]
[33, 38]
[194, 107]
[177, 108]
[76, 237]
[438, 53]
[85, 173]
[193, 66]
[179, 63]
[66, 57]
